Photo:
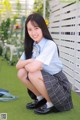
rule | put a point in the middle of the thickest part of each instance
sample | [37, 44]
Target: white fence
[65, 29]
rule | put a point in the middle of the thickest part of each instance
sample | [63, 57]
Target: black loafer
[35, 104]
[45, 110]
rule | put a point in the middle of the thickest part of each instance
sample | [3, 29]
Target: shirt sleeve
[23, 57]
[47, 53]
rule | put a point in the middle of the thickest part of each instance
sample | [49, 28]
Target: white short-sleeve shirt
[23, 57]
[48, 55]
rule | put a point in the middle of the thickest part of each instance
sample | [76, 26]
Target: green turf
[16, 109]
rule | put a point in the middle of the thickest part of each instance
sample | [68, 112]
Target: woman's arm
[34, 66]
[21, 63]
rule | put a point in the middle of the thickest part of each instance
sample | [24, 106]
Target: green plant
[38, 7]
[0, 50]
[4, 29]
[18, 7]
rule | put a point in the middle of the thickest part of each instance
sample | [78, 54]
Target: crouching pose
[40, 69]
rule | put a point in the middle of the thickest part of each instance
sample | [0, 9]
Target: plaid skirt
[58, 88]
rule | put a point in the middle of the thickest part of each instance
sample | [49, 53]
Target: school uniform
[57, 84]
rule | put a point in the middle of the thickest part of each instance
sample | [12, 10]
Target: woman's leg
[22, 75]
[37, 80]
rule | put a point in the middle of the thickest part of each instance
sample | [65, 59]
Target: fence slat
[65, 30]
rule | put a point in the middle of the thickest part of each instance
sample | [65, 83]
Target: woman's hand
[33, 66]
[22, 63]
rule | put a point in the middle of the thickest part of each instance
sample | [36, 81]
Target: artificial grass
[16, 109]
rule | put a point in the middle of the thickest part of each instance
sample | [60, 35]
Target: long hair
[28, 42]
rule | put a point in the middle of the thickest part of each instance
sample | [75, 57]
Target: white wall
[65, 29]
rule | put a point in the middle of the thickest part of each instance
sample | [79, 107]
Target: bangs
[34, 23]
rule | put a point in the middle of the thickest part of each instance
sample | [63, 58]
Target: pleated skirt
[59, 90]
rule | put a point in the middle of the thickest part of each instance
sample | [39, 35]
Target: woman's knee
[34, 75]
[21, 73]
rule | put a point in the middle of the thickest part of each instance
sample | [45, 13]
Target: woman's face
[34, 31]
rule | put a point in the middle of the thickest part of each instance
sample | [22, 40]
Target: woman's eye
[36, 28]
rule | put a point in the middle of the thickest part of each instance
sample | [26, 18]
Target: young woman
[40, 68]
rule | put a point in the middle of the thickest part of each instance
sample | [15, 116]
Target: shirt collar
[41, 43]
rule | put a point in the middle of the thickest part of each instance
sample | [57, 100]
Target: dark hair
[28, 42]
